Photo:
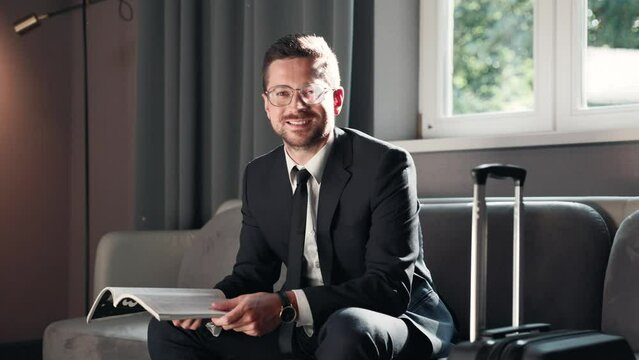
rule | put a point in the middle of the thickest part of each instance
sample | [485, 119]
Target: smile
[298, 122]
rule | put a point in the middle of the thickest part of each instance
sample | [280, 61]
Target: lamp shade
[28, 23]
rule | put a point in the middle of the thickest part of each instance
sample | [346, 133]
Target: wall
[35, 117]
[41, 156]
[593, 169]
[396, 60]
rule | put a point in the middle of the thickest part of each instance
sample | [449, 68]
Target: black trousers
[348, 334]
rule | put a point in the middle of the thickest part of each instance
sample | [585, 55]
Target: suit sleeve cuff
[304, 315]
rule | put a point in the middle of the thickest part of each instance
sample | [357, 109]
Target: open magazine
[162, 303]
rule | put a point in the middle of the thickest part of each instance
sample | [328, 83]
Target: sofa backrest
[565, 245]
[212, 253]
[565, 249]
[613, 209]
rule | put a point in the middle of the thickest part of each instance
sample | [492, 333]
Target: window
[492, 56]
[611, 71]
[500, 67]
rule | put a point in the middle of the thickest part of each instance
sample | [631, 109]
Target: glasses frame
[320, 97]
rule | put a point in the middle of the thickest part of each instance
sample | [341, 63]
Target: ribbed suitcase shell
[552, 345]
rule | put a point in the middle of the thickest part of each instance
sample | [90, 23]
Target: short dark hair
[304, 46]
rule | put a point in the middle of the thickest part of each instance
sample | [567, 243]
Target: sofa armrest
[140, 258]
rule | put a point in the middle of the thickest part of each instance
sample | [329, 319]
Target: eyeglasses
[282, 95]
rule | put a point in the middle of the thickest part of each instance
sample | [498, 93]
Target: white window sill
[518, 140]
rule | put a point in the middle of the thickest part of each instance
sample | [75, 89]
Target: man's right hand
[188, 324]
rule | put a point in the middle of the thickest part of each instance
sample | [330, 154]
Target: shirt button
[316, 264]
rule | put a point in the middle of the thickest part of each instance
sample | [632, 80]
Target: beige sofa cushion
[114, 338]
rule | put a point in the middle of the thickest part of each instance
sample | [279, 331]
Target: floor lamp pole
[87, 195]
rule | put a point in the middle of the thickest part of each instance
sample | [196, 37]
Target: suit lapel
[280, 181]
[334, 180]
[278, 196]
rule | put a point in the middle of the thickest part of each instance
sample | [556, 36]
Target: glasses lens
[312, 93]
[281, 95]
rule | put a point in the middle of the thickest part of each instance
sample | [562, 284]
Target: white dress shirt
[312, 274]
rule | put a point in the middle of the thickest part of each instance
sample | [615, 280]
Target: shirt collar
[315, 165]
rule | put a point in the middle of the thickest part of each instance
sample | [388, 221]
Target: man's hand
[253, 314]
[188, 324]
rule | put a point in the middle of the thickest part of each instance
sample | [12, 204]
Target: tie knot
[302, 177]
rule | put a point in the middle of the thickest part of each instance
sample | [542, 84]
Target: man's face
[302, 126]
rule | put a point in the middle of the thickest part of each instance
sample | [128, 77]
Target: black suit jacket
[368, 235]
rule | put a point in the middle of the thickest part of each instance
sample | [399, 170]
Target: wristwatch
[288, 313]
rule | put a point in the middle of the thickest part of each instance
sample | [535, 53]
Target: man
[357, 286]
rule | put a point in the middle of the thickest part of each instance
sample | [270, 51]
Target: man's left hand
[253, 314]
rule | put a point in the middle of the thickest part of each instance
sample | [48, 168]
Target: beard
[312, 135]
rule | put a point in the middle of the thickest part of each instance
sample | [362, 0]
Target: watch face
[288, 314]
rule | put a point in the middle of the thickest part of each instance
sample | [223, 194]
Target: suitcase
[527, 341]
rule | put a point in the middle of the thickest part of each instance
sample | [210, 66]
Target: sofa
[580, 257]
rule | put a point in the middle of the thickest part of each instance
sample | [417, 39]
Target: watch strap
[284, 298]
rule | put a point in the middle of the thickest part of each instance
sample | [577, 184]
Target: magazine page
[162, 303]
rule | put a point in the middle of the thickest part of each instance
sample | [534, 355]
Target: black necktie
[297, 233]
[295, 252]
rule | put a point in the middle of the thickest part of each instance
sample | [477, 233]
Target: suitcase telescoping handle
[479, 244]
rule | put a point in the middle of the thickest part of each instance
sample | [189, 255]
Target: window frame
[559, 42]
[572, 43]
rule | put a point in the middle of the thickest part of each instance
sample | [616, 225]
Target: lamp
[30, 22]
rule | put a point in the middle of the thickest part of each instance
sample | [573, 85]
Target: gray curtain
[200, 113]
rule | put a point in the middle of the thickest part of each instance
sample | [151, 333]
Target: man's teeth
[297, 122]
